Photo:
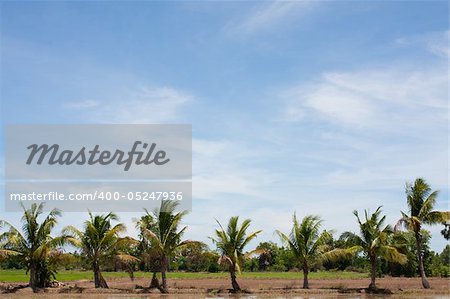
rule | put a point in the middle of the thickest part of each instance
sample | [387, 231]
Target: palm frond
[6, 253]
[341, 253]
[391, 254]
[436, 217]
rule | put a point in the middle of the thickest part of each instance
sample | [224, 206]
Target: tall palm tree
[421, 200]
[306, 242]
[231, 243]
[160, 230]
[34, 245]
[374, 241]
[99, 241]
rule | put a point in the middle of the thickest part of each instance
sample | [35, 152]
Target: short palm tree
[161, 231]
[421, 200]
[148, 255]
[374, 241]
[306, 243]
[34, 245]
[99, 241]
[231, 243]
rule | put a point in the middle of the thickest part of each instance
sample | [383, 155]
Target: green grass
[20, 276]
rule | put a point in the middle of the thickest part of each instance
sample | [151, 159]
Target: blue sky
[313, 107]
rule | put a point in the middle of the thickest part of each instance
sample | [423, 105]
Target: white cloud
[268, 15]
[393, 98]
[81, 104]
[436, 43]
[142, 105]
[376, 99]
[225, 167]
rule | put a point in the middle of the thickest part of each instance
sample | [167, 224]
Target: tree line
[377, 248]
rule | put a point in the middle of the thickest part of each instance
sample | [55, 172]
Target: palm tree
[374, 241]
[306, 242]
[149, 257]
[34, 245]
[231, 244]
[421, 200]
[99, 241]
[160, 230]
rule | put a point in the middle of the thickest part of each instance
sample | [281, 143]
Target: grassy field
[20, 276]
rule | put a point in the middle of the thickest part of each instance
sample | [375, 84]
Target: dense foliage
[275, 259]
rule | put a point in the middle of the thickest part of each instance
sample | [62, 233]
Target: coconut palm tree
[34, 245]
[306, 242]
[231, 243]
[161, 231]
[149, 256]
[99, 241]
[374, 241]
[421, 200]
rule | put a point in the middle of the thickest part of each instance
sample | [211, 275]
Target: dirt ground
[254, 288]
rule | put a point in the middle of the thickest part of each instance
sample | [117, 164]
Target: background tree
[196, 257]
[267, 256]
[161, 231]
[306, 242]
[285, 260]
[34, 247]
[231, 243]
[445, 255]
[421, 200]
[271, 257]
[445, 232]
[100, 241]
[444, 258]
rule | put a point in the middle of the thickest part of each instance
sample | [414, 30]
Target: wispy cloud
[268, 15]
[375, 98]
[81, 104]
[435, 42]
[143, 105]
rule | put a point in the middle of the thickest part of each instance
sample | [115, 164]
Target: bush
[277, 268]
[440, 271]
[213, 267]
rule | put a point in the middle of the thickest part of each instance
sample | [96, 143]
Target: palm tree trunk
[164, 264]
[154, 283]
[373, 272]
[164, 282]
[33, 276]
[234, 283]
[425, 283]
[99, 281]
[305, 276]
